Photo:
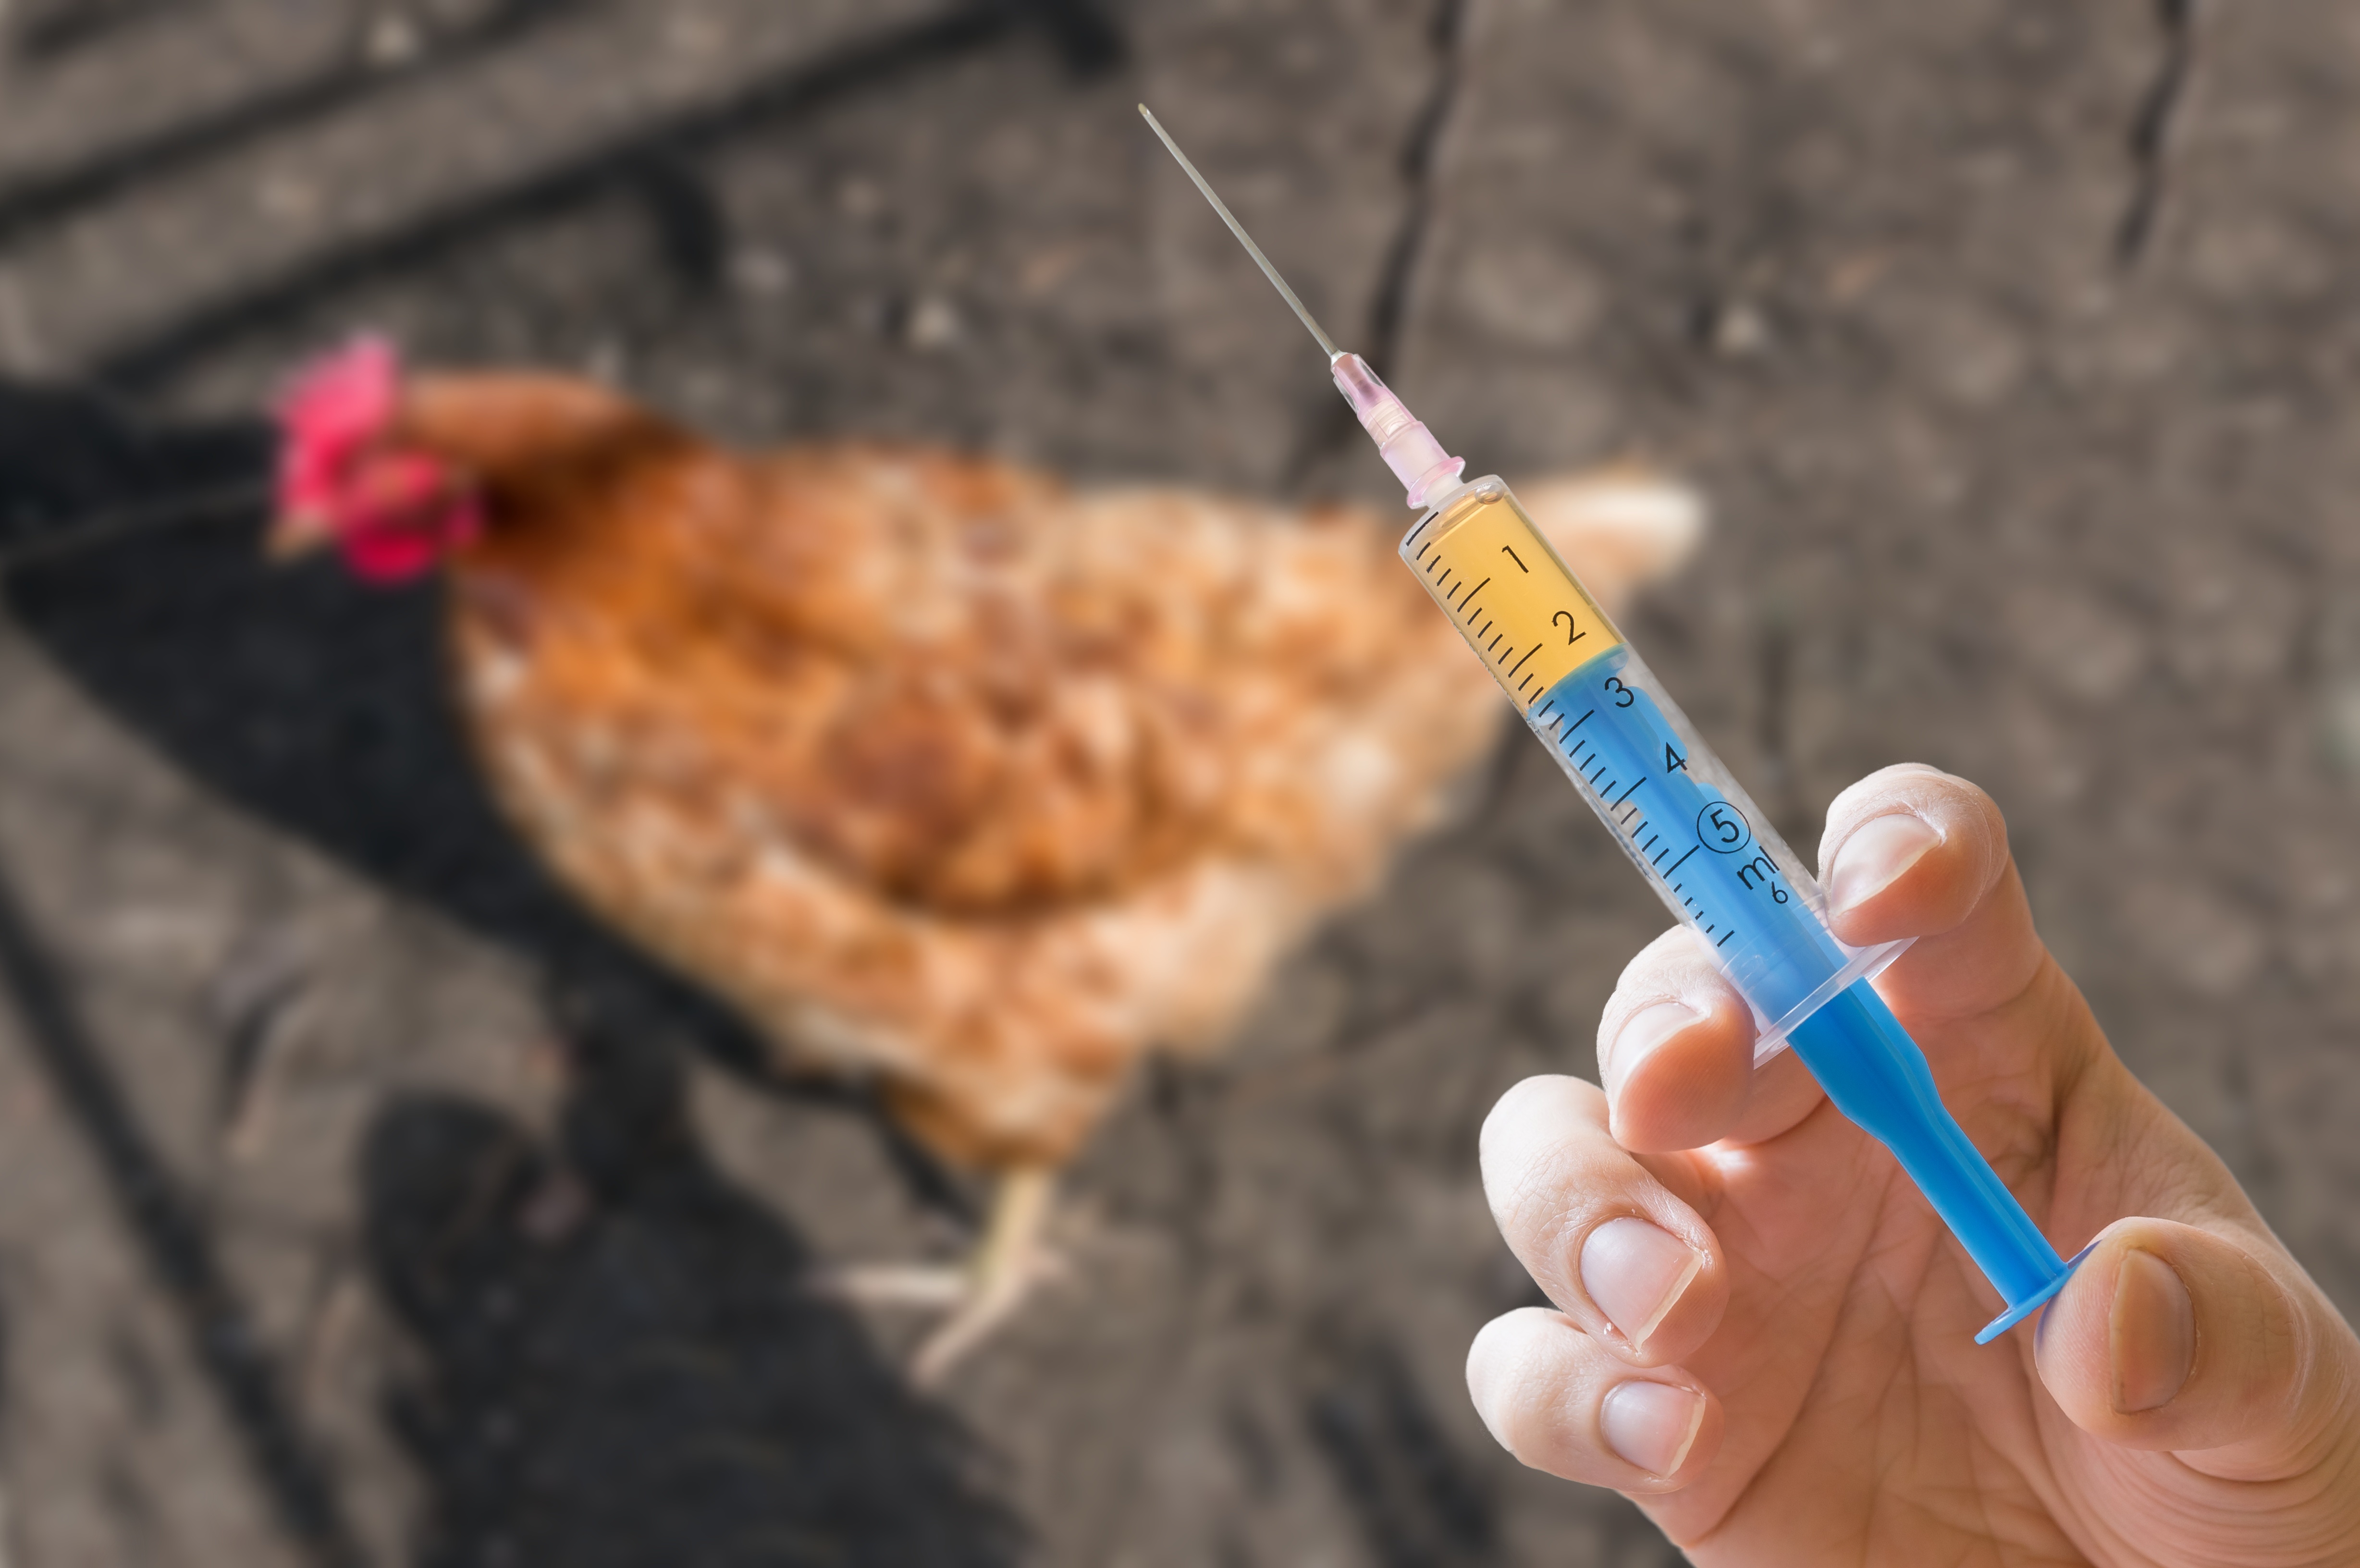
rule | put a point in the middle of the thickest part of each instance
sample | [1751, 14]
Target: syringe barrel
[1708, 851]
[1714, 859]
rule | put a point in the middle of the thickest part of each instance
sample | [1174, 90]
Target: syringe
[1708, 851]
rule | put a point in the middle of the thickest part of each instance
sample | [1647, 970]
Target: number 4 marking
[1673, 761]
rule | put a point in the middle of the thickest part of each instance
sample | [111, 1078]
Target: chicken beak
[294, 535]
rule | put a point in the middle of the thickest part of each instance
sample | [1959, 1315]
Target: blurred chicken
[941, 771]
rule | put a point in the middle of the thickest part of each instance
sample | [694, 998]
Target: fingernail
[1875, 856]
[1645, 1030]
[1651, 1425]
[2151, 1334]
[1635, 1273]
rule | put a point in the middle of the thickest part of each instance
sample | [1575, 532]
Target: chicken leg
[1011, 1258]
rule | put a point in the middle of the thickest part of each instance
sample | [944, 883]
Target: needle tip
[1326, 344]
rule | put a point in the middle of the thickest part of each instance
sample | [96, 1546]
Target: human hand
[1766, 1339]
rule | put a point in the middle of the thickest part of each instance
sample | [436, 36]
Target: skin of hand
[1766, 1338]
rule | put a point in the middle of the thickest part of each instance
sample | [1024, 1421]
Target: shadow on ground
[295, 692]
[624, 1363]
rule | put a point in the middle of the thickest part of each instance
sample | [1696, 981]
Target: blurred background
[2011, 342]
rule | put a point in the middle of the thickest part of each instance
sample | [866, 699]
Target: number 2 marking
[1571, 636]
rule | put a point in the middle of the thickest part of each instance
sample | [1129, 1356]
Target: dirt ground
[362, 1203]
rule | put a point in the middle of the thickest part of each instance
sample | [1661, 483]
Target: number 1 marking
[1519, 560]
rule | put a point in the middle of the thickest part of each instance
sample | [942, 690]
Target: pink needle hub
[1408, 447]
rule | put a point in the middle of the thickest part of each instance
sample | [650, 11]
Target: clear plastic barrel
[1688, 826]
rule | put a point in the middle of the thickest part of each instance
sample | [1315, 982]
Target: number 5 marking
[1722, 828]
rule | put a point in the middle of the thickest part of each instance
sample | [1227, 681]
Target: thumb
[2173, 1337]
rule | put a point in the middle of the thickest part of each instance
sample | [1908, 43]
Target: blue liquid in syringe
[1688, 834]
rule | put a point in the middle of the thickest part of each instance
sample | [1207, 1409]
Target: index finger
[1912, 851]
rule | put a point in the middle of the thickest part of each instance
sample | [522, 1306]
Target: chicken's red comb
[345, 400]
[331, 411]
